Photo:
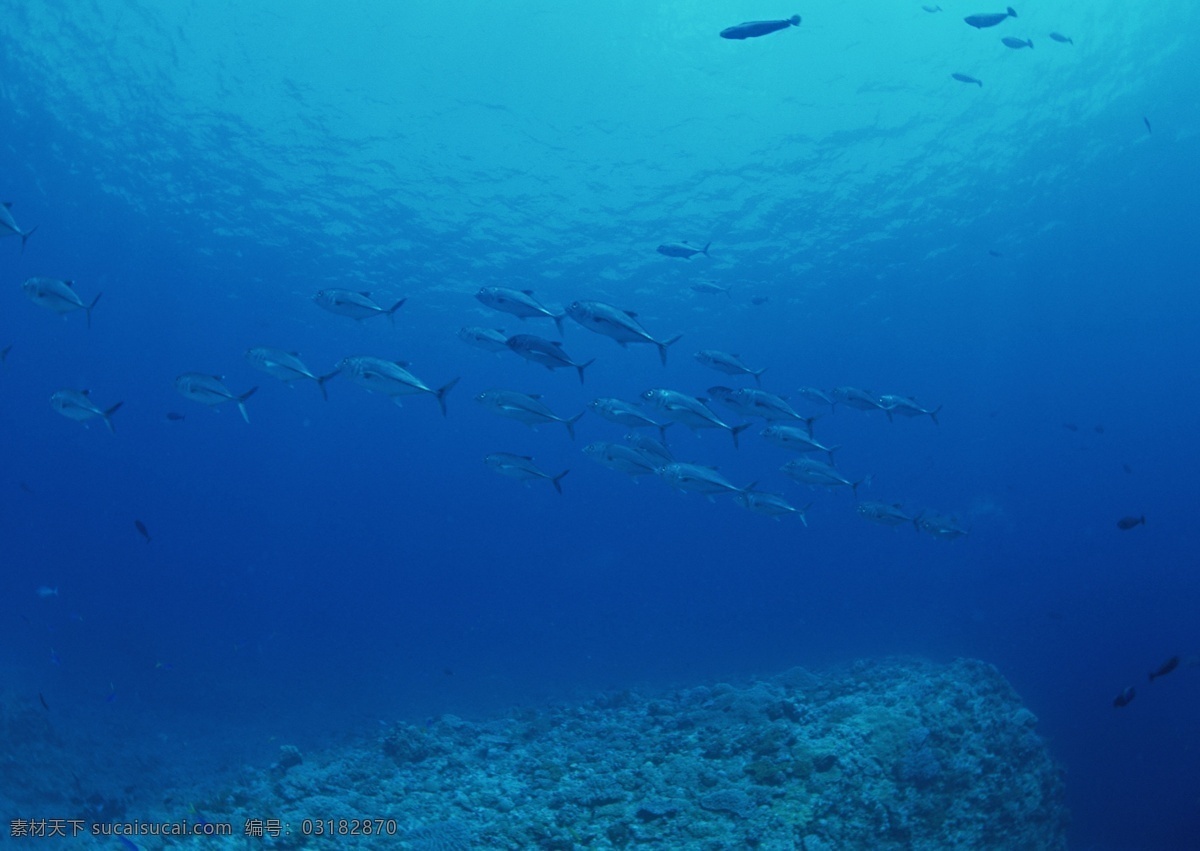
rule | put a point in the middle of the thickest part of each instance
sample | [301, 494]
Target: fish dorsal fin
[556, 344]
[525, 457]
[703, 400]
[69, 283]
[84, 392]
[535, 395]
[527, 292]
[364, 293]
[403, 364]
[294, 354]
[8, 205]
[630, 314]
[218, 377]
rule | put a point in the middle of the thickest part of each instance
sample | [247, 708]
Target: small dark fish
[1017, 43]
[990, 19]
[967, 78]
[1165, 668]
[991, 251]
[1147, 123]
[141, 527]
[1099, 429]
[1062, 39]
[174, 416]
[25, 488]
[42, 700]
[4, 354]
[1128, 470]
[1125, 697]
[754, 29]
[1130, 522]
[1070, 427]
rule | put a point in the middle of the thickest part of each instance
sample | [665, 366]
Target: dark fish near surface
[990, 19]
[1125, 697]
[682, 250]
[932, 9]
[1062, 39]
[141, 527]
[1165, 668]
[967, 78]
[1017, 43]
[1129, 522]
[754, 29]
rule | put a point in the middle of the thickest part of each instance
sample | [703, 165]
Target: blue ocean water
[1019, 253]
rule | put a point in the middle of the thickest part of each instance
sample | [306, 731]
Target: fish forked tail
[662, 347]
[748, 489]
[88, 310]
[570, 424]
[25, 237]
[108, 416]
[704, 250]
[1012, 13]
[321, 379]
[391, 311]
[758, 376]
[580, 367]
[794, 20]
[241, 402]
[865, 480]
[557, 479]
[662, 432]
[440, 394]
[933, 415]
[803, 514]
[558, 321]
[736, 430]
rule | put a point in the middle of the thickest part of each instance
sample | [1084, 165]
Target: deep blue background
[332, 564]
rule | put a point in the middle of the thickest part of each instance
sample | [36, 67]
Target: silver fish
[525, 408]
[907, 407]
[967, 78]
[620, 325]
[1017, 43]
[885, 514]
[75, 405]
[622, 413]
[622, 458]
[8, 225]
[818, 396]
[989, 19]
[754, 29]
[489, 339]
[689, 411]
[521, 467]
[713, 288]
[355, 305]
[549, 353]
[795, 439]
[733, 400]
[682, 250]
[519, 303]
[811, 472]
[286, 366]
[697, 479]
[857, 398]
[392, 379]
[727, 363]
[940, 525]
[655, 450]
[57, 294]
[1062, 39]
[760, 403]
[210, 390]
[770, 505]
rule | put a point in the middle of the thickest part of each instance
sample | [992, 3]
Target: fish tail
[980, 82]
[558, 321]
[888, 411]
[241, 402]
[794, 20]
[570, 424]
[557, 479]
[1012, 13]
[758, 376]
[933, 415]
[88, 310]
[321, 379]
[662, 347]
[441, 392]
[748, 488]
[704, 250]
[662, 432]
[25, 237]
[108, 415]
[830, 451]
[736, 430]
[581, 367]
[865, 480]
[391, 311]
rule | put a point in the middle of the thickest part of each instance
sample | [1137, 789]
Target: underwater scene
[561, 425]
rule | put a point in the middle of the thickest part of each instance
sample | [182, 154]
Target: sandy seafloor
[881, 754]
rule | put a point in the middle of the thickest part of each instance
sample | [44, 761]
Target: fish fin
[758, 376]
[662, 347]
[662, 432]
[1012, 13]
[241, 402]
[527, 292]
[7, 204]
[933, 415]
[794, 20]
[391, 311]
[558, 321]
[364, 294]
[557, 479]
[321, 379]
[704, 250]
[108, 414]
[630, 314]
[25, 237]
[581, 367]
[441, 392]
[570, 424]
[736, 430]
[88, 309]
